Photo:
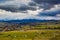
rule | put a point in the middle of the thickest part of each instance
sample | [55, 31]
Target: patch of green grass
[30, 35]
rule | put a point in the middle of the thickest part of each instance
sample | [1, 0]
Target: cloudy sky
[29, 9]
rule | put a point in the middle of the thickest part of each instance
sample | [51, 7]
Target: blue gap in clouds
[3, 0]
[54, 13]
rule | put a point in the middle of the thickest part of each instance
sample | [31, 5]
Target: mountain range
[28, 21]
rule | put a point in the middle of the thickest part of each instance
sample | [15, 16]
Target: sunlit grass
[30, 35]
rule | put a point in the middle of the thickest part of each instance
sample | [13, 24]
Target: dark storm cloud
[16, 5]
[8, 8]
[16, 9]
[47, 4]
[26, 7]
[32, 4]
[47, 1]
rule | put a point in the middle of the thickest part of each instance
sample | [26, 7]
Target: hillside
[30, 24]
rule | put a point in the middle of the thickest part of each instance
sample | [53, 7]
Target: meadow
[31, 31]
[31, 35]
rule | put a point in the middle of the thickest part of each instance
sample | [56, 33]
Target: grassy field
[31, 35]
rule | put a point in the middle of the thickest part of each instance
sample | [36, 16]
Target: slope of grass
[31, 35]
